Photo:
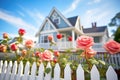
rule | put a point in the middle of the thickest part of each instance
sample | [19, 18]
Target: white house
[56, 22]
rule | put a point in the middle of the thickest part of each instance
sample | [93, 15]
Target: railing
[108, 58]
[66, 45]
[15, 71]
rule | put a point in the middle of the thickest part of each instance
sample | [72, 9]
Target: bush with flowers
[39, 55]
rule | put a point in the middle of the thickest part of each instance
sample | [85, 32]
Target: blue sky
[29, 14]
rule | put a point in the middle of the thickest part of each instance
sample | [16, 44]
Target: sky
[29, 14]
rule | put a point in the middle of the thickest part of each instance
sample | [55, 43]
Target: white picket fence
[15, 71]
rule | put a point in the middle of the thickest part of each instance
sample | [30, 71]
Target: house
[56, 23]
[100, 35]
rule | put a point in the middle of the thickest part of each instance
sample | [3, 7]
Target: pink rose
[56, 53]
[37, 54]
[88, 53]
[47, 55]
[5, 35]
[50, 37]
[13, 47]
[29, 43]
[84, 42]
[21, 32]
[112, 47]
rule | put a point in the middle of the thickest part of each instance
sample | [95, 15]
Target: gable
[47, 27]
[58, 19]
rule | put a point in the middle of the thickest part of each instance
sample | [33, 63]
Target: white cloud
[99, 15]
[22, 14]
[19, 23]
[72, 7]
[94, 1]
[37, 16]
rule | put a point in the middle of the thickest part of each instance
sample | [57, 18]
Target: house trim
[54, 9]
[47, 19]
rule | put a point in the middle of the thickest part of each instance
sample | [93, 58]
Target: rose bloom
[88, 53]
[37, 54]
[3, 48]
[59, 36]
[50, 37]
[70, 38]
[5, 35]
[56, 53]
[21, 32]
[13, 47]
[29, 43]
[84, 42]
[24, 52]
[55, 60]
[112, 47]
[47, 55]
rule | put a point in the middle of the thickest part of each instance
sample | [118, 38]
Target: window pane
[96, 39]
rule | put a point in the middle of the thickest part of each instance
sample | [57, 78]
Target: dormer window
[56, 20]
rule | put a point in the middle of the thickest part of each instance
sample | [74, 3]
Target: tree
[115, 21]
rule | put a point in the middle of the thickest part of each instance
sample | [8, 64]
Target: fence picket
[1, 65]
[8, 72]
[67, 72]
[4, 69]
[20, 71]
[95, 73]
[48, 76]
[33, 71]
[80, 73]
[111, 74]
[26, 71]
[14, 71]
[41, 72]
[57, 72]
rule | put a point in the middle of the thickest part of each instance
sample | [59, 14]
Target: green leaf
[47, 70]
[102, 62]
[93, 61]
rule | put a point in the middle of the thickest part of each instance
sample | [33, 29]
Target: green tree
[115, 21]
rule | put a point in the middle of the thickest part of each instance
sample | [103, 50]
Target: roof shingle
[94, 30]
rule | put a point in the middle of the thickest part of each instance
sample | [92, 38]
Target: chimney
[94, 25]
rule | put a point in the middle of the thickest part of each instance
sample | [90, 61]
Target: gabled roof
[95, 29]
[54, 9]
[73, 20]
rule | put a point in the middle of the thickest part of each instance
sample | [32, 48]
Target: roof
[94, 30]
[73, 20]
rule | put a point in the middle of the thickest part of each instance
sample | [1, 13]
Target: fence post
[14, 71]
[67, 72]
[26, 71]
[111, 74]
[20, 71]
[57, 72]
[1, 65]
[41, 72]
[8, 72]
[80, 73]
[95, 73]
[48, 76]
[33, 71]
[4, 69]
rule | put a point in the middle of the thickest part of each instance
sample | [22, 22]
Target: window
[56, 20]
[44, 38]
[47, 26]
[96, 39]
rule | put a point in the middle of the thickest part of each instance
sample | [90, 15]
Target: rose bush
[39, 55]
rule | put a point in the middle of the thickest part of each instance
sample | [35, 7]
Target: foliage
[84, 52]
